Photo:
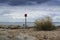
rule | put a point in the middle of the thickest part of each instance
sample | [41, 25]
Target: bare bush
[44, 24]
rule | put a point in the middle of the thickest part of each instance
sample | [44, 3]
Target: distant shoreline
[28, 23]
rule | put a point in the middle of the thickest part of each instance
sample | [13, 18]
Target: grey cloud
[3, 1]
[53, 2]
[21, 2]
[5, 12]
[29, 2]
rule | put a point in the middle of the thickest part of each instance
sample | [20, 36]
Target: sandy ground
[26, 34]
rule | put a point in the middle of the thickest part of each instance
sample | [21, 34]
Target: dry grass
[41, 35]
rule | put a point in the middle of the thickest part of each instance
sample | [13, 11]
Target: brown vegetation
[40, 35]
[44, 24]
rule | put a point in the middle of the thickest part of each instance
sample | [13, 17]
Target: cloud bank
[22, 2]
[29, 2]
[12, 11]
[16, 13]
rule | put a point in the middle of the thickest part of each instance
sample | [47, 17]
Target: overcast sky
[14, 10]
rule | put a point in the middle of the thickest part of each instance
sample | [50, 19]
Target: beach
[25, 34]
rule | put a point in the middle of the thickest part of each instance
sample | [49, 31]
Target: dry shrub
[44, 24]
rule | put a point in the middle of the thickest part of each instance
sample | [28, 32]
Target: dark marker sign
[25, 15]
